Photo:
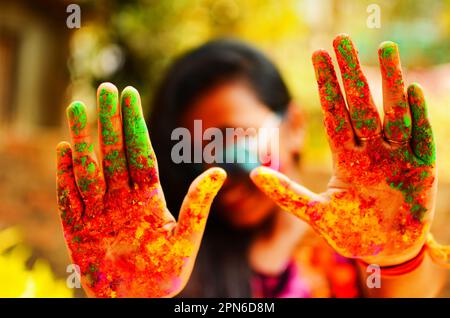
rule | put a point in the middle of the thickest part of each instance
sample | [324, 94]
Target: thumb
[196, 204]
[289, 195]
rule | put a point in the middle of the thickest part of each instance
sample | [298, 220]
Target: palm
[380, 200]
[116, 224]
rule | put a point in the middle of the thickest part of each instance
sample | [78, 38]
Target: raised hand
[380, 200]
[116, 224]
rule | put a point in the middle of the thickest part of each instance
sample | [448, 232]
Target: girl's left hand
[380, 200]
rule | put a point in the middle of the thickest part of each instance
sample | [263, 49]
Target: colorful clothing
[315, 271]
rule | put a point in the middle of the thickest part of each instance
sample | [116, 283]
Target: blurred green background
[44, 65]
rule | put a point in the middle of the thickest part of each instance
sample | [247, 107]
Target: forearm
[426, 280]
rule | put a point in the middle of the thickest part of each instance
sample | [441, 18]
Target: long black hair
[221, 269]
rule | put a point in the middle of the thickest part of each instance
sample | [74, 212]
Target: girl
[377, 209]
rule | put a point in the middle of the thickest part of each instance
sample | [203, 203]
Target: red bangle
[401, 269]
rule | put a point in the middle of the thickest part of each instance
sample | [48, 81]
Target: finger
[363, 112]
[422, 141]
[336, 118]
[88, 174]
[397, 117]
[142, 164]
[111, 139]
[286, 193]
[69, 200]
[195, 208]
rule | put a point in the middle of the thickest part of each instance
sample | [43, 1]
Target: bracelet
[401, 269]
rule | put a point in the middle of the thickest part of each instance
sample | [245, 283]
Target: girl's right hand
[116, 224]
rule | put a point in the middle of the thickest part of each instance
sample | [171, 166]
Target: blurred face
[235, 105]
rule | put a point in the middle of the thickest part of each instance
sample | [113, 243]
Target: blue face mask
[237, 152]
[237, 160]
[240, 157]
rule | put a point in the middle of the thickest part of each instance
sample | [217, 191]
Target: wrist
[399, 269]
[390, 258]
